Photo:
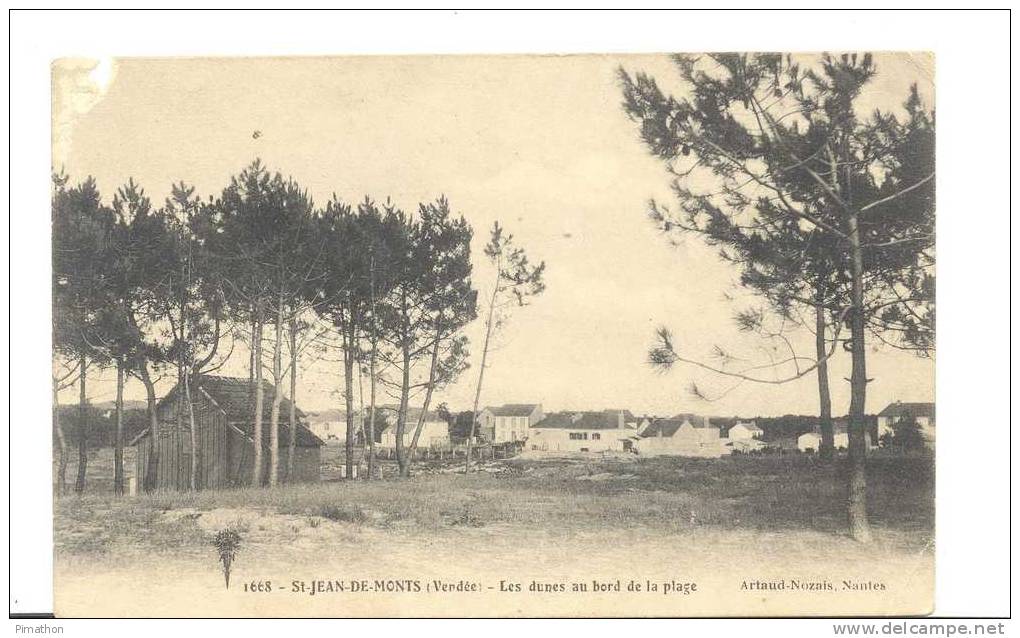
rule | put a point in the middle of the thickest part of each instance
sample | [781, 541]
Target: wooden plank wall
[225, 456]
[174, 469]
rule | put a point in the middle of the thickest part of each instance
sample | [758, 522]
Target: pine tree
[787, 156]
[82, 234]
[516, 282]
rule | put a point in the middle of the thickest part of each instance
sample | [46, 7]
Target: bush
[227, 542]
[342, 513]
[906, 433]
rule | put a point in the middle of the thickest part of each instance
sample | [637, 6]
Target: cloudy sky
[538, 143]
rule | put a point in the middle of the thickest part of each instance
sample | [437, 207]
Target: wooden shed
[224, 425]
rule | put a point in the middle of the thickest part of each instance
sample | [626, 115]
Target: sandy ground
[293, 552]
[741, 537]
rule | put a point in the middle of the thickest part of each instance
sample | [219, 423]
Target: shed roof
[914, 409]
[231, 395]
[305, 438]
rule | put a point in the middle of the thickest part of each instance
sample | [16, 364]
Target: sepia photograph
[339, 318]
[387, 321]
[513, 335]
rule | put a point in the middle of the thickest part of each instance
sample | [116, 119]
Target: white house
[681, 436]
[435, 431]
[329, 424]
[605, 431]
[744, 431]
[923, 413]
[812, 441]
[509, 422]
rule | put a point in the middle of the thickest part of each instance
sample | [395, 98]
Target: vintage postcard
[513, 336]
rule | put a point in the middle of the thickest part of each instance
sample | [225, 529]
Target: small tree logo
[227, 542]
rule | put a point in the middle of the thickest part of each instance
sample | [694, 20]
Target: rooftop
[604, 420]
[305, 438]
[235, 397]
[750, 425]
[668, 427]
[900, 408]
[514, 409]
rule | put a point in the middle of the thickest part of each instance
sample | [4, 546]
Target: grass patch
[342, 513]
[642, 496]
[467, 518]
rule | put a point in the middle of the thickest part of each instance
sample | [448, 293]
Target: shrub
[227, 542]
[906, 433]
[342, 513]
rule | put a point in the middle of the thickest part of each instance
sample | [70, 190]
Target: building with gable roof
[605, 431]
[223, 410]
[509, 422]
[923, 413]
[682, 435]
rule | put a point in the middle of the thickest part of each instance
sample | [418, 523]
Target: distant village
[224, 414]
[529, 427]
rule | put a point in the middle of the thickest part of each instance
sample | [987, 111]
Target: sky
[539, 143]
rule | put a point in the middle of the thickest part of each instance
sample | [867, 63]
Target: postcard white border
[973, 109]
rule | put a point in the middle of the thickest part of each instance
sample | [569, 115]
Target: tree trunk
[348, 341]
[371, 414]
[481, 370]
[178, 436]
[856, 489]
[425, 407]
[361, 397]
[151, 480]
[193, 432]
[256, 474]
[371, 370]
[292, 416]
[61, 441]
[118, 440]
[274, 412]
[179, 428]
[827, 448]
[405, 388]
[251, 368]
[83, 429]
